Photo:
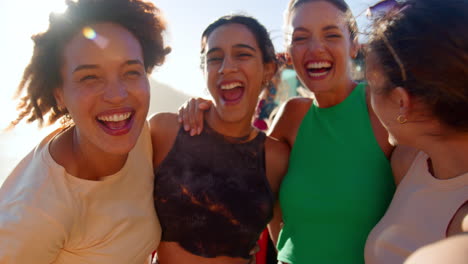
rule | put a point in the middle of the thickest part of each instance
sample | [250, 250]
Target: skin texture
[233, 56]
[101, 79]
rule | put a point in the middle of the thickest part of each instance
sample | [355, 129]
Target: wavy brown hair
[42, 76]
[423, 47]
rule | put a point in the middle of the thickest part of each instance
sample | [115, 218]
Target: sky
[186, 21]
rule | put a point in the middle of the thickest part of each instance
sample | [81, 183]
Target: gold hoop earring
[402, 119]
[66, 120]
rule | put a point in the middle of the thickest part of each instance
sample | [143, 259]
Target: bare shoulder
[160, 120]
[401, 160]
[289, 118]
[164, 128]
[277, 159]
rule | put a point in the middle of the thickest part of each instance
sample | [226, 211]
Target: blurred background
[178, 79]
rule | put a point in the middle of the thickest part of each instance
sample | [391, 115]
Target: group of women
[111, 187]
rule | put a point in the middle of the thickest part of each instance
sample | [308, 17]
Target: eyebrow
[329, 27]
[300, 29]
[85, 67]
[95, 66]
[245, 46]
[236, 46]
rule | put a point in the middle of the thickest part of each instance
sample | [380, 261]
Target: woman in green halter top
[339, 182]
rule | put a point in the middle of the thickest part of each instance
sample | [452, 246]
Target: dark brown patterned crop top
[212, 196]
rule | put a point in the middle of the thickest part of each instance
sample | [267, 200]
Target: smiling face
[234, 71]
[320, 46]
[105, 88]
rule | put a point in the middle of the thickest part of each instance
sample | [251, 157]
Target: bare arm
[459, 222]
[453, 250]
[275, 225]
[164, 128]
[289, 118]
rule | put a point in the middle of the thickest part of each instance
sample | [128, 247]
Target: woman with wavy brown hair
[84, 194]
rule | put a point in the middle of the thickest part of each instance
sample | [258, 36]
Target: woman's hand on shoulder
[191, 114]
[288, 119]
[401, 160]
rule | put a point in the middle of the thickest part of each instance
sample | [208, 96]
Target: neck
[449, 156]
[334, 96]
[92, 163]
[238, 129]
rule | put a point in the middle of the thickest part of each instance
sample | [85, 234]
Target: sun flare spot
[89, 33]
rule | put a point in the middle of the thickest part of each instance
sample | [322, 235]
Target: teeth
[318, 65]
[115, 117]
[317, 74]
[230, 86]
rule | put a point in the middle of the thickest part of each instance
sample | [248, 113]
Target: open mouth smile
[117, 123]
[318, 69]
[232, 92]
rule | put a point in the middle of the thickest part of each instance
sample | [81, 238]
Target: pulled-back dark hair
[42, 76]
[340, 4]
[258, 30]
[423, 47]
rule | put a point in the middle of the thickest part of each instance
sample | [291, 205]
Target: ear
[401, 97]
[288, 59]
[355, 47]
[58, 94]
[270, 71]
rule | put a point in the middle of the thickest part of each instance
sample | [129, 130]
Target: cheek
[378, 104]
[296, 52]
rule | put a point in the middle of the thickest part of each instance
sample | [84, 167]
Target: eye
[133, 74]
[296, 39]
[244, 55]
[214, 59]
[89, 78]
[332, 36]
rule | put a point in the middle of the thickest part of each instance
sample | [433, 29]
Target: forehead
[317, 14]
[102, 43]
[231, 34]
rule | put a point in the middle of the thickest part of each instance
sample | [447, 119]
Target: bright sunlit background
[186, 20]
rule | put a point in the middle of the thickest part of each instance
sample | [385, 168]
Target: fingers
[191, 115]
[203, 105]
[183, 115]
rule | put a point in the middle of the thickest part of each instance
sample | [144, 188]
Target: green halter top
[337, 188]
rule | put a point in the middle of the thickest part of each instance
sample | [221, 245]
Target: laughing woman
[84, 194]
[418, 83]
[214, 193]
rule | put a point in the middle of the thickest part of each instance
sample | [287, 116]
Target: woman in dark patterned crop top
[214, 193]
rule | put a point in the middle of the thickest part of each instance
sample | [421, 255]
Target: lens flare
[89, 33]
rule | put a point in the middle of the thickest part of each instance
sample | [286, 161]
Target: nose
[228, 65]
[316, 45]
[115, 91]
